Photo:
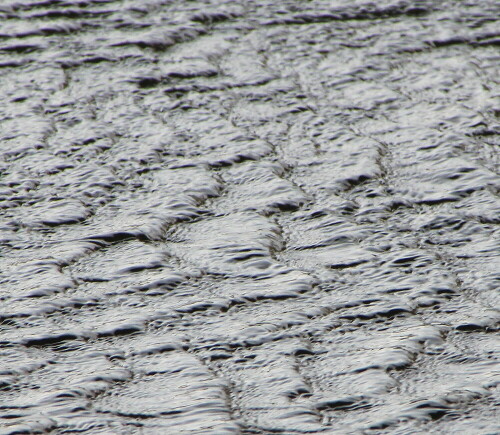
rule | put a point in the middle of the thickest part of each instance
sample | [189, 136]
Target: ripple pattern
[257, 217]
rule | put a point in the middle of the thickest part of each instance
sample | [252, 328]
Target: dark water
[251, 217]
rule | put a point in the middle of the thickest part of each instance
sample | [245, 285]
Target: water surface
[251, 217]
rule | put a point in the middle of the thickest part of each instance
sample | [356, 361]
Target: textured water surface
[251, 217]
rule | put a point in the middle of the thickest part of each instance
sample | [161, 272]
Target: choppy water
[249, 217]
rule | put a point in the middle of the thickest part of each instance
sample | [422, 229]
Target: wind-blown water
[254, 217]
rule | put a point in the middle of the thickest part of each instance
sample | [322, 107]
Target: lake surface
[255, 217]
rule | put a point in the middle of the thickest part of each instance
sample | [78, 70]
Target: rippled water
[249, 217]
